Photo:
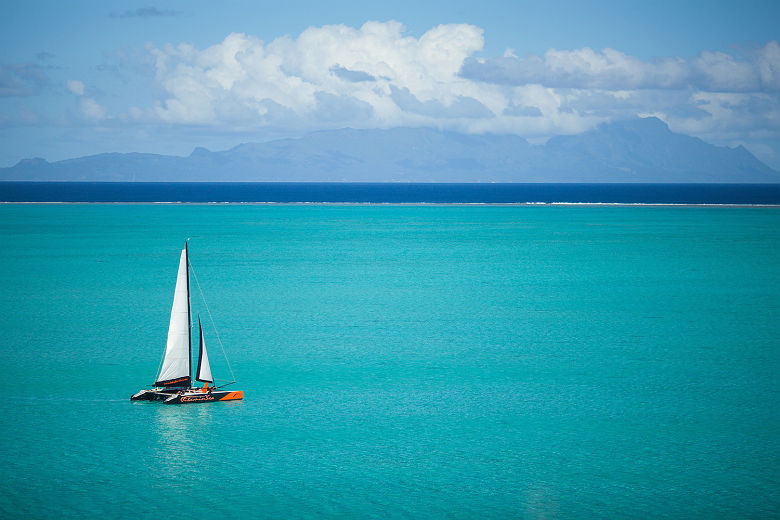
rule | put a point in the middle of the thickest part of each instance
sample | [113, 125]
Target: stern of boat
[150, 395]
[143, 395]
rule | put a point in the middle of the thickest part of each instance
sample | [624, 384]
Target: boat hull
[204, 397]
[187, 396]
[152, 395]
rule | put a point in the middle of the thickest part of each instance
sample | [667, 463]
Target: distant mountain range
[637, 150]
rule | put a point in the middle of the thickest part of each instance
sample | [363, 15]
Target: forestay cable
[212, 321]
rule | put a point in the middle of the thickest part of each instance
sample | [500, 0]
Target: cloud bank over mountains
[377, 76]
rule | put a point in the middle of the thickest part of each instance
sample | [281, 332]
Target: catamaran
[173, 384]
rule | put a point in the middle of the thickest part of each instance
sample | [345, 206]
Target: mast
[189, 315]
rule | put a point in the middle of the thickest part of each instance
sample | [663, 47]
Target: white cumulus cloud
[758, 71]
[92, 110]
[324, 70]
[75, 86]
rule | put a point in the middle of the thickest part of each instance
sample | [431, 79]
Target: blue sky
[79, 78]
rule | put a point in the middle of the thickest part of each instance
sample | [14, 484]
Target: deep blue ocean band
[399, 193]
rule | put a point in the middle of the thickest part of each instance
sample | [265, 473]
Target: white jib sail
[204, 369]
[176, 363]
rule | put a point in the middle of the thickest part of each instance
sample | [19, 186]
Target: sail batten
[175, 370]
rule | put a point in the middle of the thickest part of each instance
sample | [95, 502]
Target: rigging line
[212, 320]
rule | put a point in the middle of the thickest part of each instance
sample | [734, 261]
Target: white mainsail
[204, 369]
[176, 363]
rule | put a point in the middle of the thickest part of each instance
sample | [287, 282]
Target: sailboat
[173, 384]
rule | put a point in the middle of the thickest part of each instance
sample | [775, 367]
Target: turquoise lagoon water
[397, 362]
